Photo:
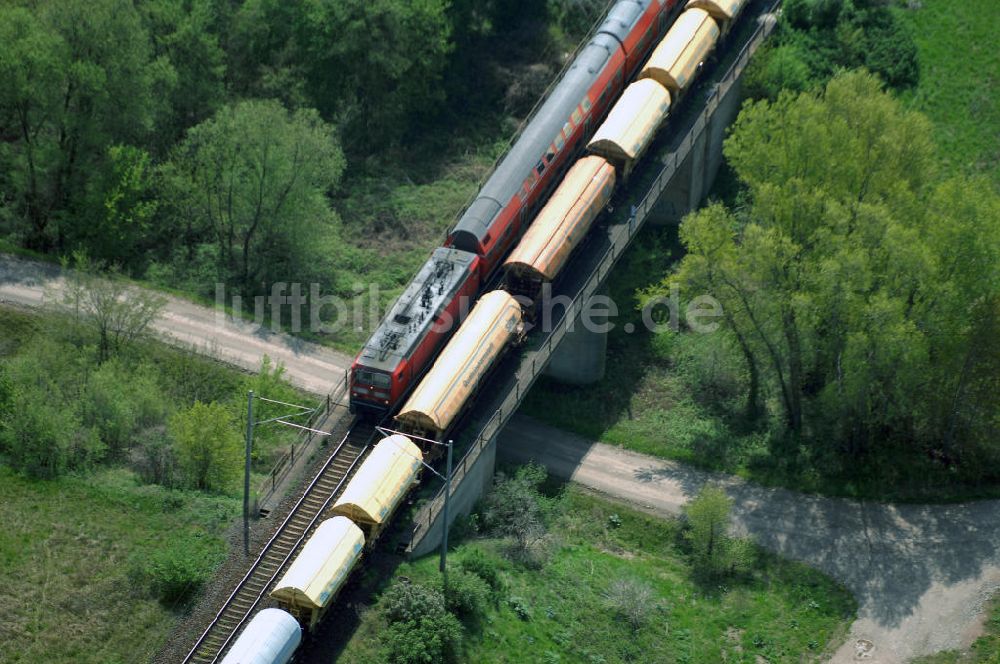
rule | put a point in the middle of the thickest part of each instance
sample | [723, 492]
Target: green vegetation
[984, 650]
[859, 293]
[107, 538]
[86, 564]
[255, 142]
[817, 38]
[959, 88]
[171, 417]
[615, 585]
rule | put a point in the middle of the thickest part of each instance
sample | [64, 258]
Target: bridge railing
[621, 235]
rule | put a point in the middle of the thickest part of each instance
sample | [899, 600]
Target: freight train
[380, 377]
[405, 343]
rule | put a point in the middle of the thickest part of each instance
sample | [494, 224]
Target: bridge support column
[469, 488]
[696, 174]
[581, 355]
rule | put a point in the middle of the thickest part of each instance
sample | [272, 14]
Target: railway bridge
[670, 181]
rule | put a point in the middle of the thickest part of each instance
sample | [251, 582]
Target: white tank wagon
[380, 484]
[629, 129]
[312, 582]
[270, 638]
[560, 226]
[493, 323]
[674, 63]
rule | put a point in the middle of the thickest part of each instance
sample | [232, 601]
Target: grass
[959, 85]
[984, 650]
[782, 611]
[67, 552]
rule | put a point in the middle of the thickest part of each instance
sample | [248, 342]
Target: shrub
[476, 562]
[153, 458]
[714, 551]
[516, 509]
[176, 574]
[632, 600]
[467, 595]
[421, 630]
[407, 602]
[208, 446]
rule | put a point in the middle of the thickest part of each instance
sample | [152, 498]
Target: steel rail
[207, 651]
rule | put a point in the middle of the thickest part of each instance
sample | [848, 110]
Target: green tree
[321, 52]
[859, 286]
[186, 33]
[516, 509]
[708, 519]
[421, 630]
[253, 180]
[80, 76]
[208, 446]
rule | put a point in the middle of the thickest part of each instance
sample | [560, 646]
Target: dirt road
[920, 573]
[204, 329]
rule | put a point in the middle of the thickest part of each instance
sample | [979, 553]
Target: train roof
[466, 359]
[427, 294]
[675, 61]
[546, 124]
[630, 125]
[720, 10]
[322, 566]
[270, 638]
[564, 220]
[381, 482]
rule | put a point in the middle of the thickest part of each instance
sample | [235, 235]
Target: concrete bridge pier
[581, 356]
[697, 172]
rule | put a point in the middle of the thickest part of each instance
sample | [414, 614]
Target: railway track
[251, 592]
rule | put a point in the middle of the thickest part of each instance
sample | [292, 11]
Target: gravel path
[312, 367]
[920, 573]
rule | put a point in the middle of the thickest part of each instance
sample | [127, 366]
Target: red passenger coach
[408, 339]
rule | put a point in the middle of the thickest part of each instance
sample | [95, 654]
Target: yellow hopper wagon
[631, 124]
[312, 582]
[723, 11]
[675, 62]
[559, 227]
[380, 485]
[493, 323]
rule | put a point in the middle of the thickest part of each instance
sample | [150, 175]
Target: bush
[208, 446]
[476, 562]
[515, 508]
[153, 458]
[632, 600]
[714, 552]
[467, 595]
[176, 574]
[421, 630]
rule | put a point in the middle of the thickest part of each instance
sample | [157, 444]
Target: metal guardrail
[620, 237]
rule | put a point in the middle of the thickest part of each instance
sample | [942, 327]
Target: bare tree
[632, 599]
[101, 299]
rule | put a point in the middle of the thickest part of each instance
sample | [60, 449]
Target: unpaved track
[920, 573]
[205, 330]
